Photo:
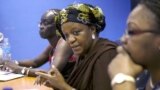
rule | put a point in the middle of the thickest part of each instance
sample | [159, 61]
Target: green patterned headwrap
[84, 14]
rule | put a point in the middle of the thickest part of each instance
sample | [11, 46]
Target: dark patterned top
[142, 80]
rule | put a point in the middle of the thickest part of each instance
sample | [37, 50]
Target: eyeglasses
[138, 32]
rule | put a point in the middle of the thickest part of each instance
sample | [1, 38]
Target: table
[23, 83]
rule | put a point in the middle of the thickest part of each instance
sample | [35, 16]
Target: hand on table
[10, 65]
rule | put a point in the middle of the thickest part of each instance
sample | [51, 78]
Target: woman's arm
[21, 70]
[26, 67]
[38, 61]
[62, 54]
[122, 71]
[124, 86]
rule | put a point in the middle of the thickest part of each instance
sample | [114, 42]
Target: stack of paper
[5, 76]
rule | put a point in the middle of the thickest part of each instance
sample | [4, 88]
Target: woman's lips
[75, 48]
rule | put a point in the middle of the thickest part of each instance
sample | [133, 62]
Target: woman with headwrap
[81, 25]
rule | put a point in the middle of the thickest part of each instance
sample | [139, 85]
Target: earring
[93, 36]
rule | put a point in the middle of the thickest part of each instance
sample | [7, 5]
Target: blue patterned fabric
[142, 80]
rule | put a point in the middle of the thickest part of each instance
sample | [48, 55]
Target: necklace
[151, 84]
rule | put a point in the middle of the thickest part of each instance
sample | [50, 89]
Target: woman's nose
[41, 26]
[71, 39]
[124, 39]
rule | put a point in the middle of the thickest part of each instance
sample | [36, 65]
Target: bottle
[1, 45]
[6, 49]
[1, 37]
[1, 53]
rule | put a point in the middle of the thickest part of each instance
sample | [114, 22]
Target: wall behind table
[19, 22]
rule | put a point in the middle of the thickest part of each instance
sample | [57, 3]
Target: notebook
[5, 76]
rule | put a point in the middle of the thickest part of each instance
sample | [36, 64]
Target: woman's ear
[93, 30]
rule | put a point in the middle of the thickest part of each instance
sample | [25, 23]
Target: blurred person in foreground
[140, 49]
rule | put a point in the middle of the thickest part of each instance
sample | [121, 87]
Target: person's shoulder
[107, 50]
[106, 43]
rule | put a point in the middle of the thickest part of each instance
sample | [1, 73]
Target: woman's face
[79, 37]
[47, 26]
[143, 37]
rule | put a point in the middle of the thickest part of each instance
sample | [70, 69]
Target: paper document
[5, 76]
[4, 72]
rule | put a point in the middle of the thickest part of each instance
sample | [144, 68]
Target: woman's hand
[12, 66]
[53, 79]
[122, 63]
[40, 80]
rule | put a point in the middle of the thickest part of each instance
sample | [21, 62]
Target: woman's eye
[46, 23]
[76, 32]
[43, 23]
[131, 32]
